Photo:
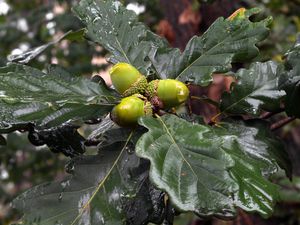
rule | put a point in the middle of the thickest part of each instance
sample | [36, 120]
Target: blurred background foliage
[28, 24]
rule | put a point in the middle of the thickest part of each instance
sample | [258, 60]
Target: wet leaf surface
[209, 170]
[290, 81]
[116, 29]
[256, 90]
[222, 44]
[30, 96]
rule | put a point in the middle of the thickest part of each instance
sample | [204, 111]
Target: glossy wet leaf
[226, 41]
[256, 89]
[290, 81]
[188, 163]
[257, 154]
[210, 170]
[31, 96]
[117, 30]
[97, 192]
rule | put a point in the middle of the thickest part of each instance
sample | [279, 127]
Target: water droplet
[129, 150]
[65, 184]
[60, 196]
[70, 167]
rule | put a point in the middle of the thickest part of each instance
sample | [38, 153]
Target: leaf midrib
[102, 183]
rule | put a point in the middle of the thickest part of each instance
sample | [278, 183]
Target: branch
[282, 123]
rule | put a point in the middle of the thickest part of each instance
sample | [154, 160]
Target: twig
[282, 123]
[268, 115]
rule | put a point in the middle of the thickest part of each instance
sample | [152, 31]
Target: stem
[205, 100]
[282, 123]
[268, 115]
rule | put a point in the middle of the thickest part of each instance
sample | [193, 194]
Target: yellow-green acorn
[127, 112]
[127, 80]
[170, 92]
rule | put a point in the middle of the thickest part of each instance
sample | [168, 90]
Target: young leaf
[290, 81]
[31, 96]
[96, 193]
[256, 90]
[211, 170]
[226, 41]
[116, 29]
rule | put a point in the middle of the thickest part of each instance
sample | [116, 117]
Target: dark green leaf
[30, 96]
[2, 140]
[290, 81]
[188, 163]
[226, 41]
[256, 90]
[116, 29]
[96, 193]
[257, 154]
[211, 170]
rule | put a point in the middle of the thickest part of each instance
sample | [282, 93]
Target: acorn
[127, 80]
[167, 93]
[129, 110]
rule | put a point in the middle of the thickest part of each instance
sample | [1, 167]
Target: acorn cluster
[140, 97]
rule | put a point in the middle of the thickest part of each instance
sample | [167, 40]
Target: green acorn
[127, 112]
[167, 93]
[127, 80]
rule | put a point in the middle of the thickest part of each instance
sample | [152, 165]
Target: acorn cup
[167, 93]
[127, 80]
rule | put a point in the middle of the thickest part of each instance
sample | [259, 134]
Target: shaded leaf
[226, 41]
[31, 96]
[256, 90]
[64, 139]
[2, 140]
[146, 206]
[26, 57]
[96, 193]
[212, 170]
[290, 81]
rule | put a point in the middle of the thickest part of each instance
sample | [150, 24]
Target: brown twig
[268, 115]
[282, 123]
